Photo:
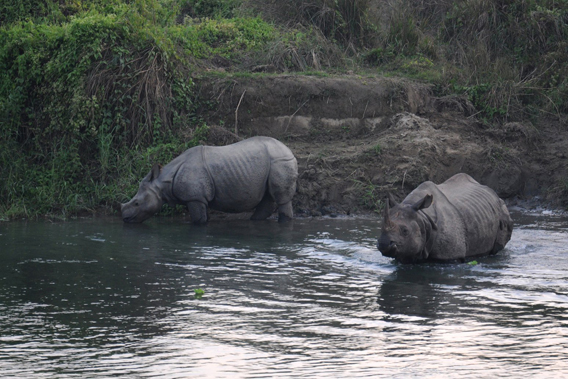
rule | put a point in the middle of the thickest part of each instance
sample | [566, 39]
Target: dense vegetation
[93, 92]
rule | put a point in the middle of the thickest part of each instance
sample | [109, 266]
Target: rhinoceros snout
[387, 248]
[127, 214]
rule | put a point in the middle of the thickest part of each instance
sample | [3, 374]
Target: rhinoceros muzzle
[388, 249]
[130, 219]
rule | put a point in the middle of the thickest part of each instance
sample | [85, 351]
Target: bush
[80, 104]
[228, 38]
[508, 56]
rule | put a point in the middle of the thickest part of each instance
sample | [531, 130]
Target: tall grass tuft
[344, 21]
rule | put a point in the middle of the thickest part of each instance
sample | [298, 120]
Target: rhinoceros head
[402, 237]
[146, 202]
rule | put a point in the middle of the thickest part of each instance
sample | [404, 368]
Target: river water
[313, 298]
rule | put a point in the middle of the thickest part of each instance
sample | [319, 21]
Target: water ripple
[310, 299]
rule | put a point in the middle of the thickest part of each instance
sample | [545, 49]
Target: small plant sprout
[199, 293]
[377, 149]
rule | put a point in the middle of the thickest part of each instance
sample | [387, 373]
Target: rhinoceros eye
[404, 230]
[136, 203]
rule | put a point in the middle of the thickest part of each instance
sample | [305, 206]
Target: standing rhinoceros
[454, 221]
[247, 175]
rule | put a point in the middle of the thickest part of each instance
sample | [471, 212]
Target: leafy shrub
[79, 103]
[227, 38]
[61, 11]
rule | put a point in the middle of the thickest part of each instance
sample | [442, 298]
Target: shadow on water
[422, 290]
[263, 235]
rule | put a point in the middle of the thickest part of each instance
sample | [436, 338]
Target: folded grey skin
[454, 221]
[257, 174]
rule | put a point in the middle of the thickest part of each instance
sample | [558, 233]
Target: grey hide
[252, 174]
[453, 221]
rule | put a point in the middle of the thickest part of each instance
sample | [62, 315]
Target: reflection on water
[313, 298]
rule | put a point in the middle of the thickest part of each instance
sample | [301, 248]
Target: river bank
[357, 138]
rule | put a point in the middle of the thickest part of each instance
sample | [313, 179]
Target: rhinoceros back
[481, 211]
[240, 171]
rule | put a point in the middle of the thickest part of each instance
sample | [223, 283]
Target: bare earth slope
[356, 138]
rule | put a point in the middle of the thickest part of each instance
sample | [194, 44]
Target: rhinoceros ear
[155, 171]
[425, 202]
[153, 174]
[392, 202]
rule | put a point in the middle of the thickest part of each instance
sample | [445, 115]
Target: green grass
[368, 195]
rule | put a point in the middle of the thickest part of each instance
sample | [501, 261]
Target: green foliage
[92, 93]
[526, 29]
[417, 63]
[482, 97]
[377, 149]
[524, 42]
[82, 105]
[403, 35]
[12, 11]
[379, 56]
[199, 293]
[227, 38]
[512, 56]
[346, 21]
[209, 8]
[62, 11]
[369, 195]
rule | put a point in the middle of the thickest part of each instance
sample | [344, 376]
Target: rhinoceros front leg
[264, 209]
[197, 212]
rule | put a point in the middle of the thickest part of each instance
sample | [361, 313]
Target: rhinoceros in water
[250, 174]
[453, 221]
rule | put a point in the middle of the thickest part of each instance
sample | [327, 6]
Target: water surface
[314, 298]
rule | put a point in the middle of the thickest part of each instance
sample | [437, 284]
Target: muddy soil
[358, 138]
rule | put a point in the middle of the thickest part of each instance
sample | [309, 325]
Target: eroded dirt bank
[356, 138]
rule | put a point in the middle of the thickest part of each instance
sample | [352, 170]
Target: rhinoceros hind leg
[197, 212]
[282, 187]
[285, 212]
[264, 209]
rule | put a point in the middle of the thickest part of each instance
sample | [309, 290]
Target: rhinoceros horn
[387, 221]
